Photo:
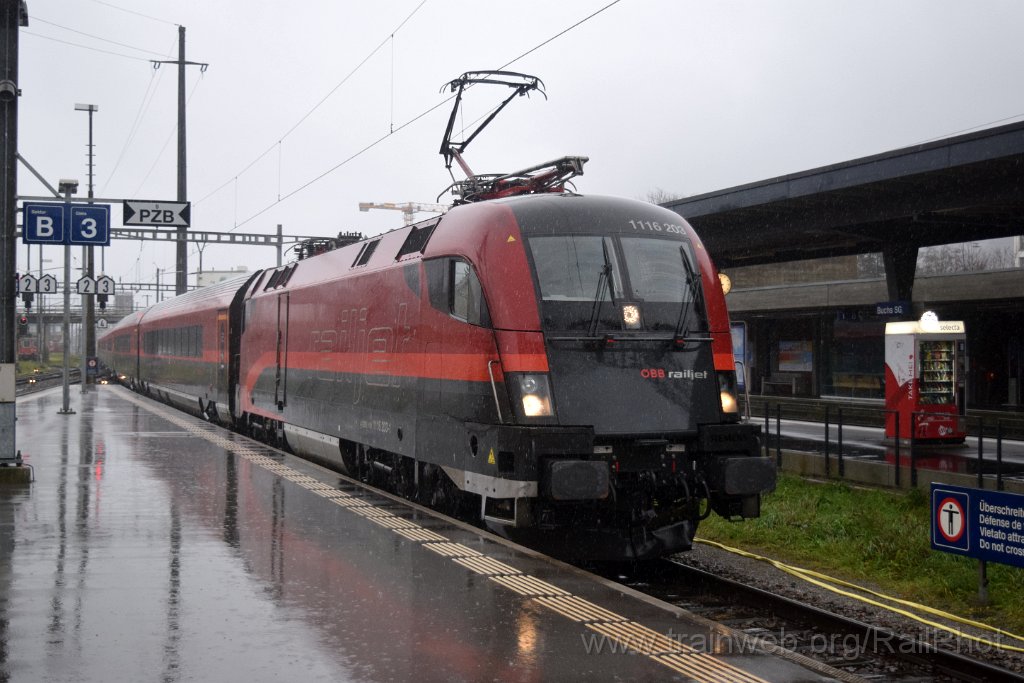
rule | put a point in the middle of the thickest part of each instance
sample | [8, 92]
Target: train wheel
[349, 457]
[439, 492]
[403, 477]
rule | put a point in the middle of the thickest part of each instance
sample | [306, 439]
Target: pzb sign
[157, 214]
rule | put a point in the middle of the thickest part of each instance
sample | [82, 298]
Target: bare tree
[968, 257]
[870, 265]
[660, 196]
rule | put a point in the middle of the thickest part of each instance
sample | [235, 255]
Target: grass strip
[876, 537]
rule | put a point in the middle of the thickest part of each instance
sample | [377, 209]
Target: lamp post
[88, 302]
[160, 272]
[68, 188]
[44, 350]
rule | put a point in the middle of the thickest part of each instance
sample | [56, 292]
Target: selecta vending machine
[924, 379]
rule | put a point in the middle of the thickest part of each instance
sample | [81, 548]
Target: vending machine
[924, 379]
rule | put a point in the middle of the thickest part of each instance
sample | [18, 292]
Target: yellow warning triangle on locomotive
[490, 457]
[510, 239]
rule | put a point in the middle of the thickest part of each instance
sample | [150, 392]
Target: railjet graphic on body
[662, 373]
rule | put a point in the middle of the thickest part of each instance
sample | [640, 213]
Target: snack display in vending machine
[924, 379]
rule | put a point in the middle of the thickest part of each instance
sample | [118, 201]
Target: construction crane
[407, 209]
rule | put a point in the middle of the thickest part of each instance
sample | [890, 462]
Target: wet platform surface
[153, 546]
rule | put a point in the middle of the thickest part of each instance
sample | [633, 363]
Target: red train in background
[28, 348]
[559, 366]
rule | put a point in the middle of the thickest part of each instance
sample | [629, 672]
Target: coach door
[222, 354]
[281, 376]
[138, 354]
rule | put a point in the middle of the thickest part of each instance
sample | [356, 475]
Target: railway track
[44, 380]
[863, 650]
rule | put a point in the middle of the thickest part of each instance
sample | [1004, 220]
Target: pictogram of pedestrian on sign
[949, 520]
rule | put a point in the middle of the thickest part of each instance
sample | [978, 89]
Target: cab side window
[455, 290]
[467, 295]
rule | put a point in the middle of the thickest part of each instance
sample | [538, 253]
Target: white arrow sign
[157, 214]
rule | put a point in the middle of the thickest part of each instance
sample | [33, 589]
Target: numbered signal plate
[86, 285]
[48, 284]
[105, 285]
[28, 284]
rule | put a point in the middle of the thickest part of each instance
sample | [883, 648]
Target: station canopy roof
[959, 189]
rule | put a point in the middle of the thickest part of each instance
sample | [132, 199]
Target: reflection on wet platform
[154, 544]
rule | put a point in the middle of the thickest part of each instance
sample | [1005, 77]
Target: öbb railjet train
[560, 364]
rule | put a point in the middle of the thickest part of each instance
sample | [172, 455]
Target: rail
[43, 379]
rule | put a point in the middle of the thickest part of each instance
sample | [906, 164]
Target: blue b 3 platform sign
[987, 525]
[66, 223]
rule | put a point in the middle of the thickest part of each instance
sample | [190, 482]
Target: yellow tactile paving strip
[627, 634]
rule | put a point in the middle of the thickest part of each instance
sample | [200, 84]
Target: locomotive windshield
[656, 270]
[577, 272]
[569, 267]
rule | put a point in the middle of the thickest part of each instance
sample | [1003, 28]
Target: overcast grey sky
[685, 96]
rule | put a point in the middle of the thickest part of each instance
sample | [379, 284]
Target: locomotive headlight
[535, 393]
[631, 316]
[727, 392]
[726, 283]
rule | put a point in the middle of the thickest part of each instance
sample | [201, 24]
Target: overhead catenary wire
[316, 106]
[95, 37]
[147, 101]
[84, 47]
[166, 142]
[560, 34]
[131, 11]
[352, 157]
[980, 126]
[419, 116]
[371, 145]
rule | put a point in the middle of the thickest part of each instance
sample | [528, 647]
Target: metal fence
[988, 431]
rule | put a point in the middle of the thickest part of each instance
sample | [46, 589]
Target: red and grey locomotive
[561, 363]
[565, 360]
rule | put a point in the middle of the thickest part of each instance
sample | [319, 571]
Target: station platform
[155, 546]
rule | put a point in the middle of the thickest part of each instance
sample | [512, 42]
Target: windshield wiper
[603, 284]
[695, 291]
